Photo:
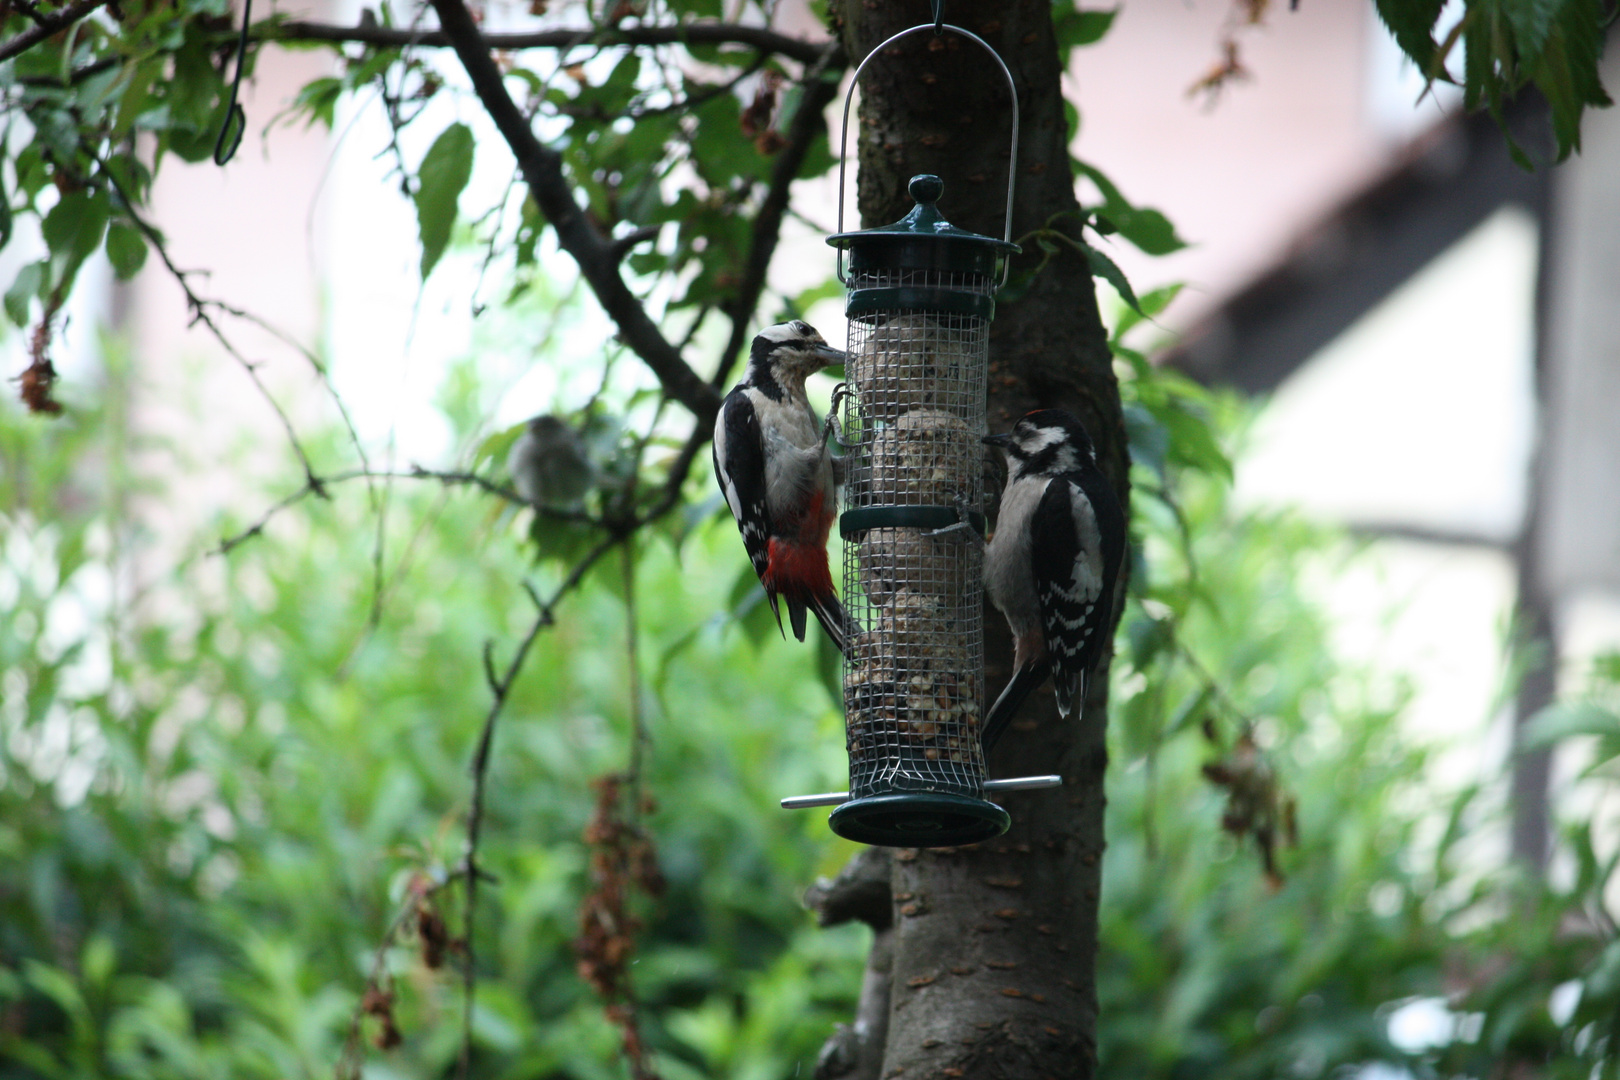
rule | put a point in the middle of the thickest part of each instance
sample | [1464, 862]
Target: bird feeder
[921, 294]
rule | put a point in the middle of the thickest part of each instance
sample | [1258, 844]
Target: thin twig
[638, 718]
[314, 361]
[695, 33]
[416, 472]
[677, 104]
[349, 1063]
[51, 24]
[200, 314]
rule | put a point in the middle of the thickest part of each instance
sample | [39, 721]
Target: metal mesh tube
[914, 672]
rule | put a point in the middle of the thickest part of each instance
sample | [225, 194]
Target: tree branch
[52, 23]
[807, 123]
[318, 484]
[542, 170]
[700, 33]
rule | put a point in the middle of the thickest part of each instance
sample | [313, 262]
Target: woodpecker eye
[803, 328]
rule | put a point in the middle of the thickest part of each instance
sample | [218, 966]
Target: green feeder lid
[922, 240]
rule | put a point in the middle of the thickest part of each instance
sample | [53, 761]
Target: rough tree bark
[990, 955]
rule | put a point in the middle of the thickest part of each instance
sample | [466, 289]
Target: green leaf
[1565, 69]
[1143, 226]
[531, 223]
[1412, 24]
[794, 307]
[22, 292]
[1532, 21]
[497, 445]
[1479, 69]
[1104, 267]
[1558, 722]
[1192, 440]
[126, 249]
[1148, 638]
[318, 100]
[441, 178]
[1149, 230]
[72, 230]
[1148, 440]
[1192, 710]
[720, 154]
[1153, 305]
[1076, 28]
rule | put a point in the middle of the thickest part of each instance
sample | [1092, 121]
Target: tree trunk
[992, 948]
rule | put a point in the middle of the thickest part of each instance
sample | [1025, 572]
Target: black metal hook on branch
[235, 123]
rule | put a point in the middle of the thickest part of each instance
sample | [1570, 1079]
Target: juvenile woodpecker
[771, 459]
[549, 463]
[1052, 563]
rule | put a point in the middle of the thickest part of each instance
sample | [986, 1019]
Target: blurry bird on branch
[549, 464]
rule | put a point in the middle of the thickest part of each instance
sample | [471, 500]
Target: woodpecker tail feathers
[1019, 687]
[796, 611]
[833, 618]
[828, 612]
[1070, 686]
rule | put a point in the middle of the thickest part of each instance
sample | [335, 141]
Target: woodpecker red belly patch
[795, 569]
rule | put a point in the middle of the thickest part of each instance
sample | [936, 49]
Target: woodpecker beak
[829, 355]
[1003, 440]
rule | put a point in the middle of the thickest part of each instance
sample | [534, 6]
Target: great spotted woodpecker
[771, 459]
[1052, 563]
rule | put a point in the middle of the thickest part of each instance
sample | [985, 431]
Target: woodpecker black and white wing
[1067, 555]
[739, 466]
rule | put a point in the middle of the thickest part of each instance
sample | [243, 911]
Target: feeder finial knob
[926, 188]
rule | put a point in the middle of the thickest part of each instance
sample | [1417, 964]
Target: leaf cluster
[1508, 46]
[101, 105]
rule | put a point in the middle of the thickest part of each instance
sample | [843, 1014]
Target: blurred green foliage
[215, 798]
[212, 801]
[1393, 941]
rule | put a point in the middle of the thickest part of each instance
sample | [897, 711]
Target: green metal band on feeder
[914, 298]
[852, 523]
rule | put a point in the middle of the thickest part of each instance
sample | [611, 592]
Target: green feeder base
[919, 819]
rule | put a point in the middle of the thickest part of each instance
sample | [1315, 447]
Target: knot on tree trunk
[860, 892]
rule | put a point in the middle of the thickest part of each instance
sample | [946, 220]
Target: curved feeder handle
[937, 26]
[991, 787]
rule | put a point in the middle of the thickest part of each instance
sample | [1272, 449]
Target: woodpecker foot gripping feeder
[921, 297]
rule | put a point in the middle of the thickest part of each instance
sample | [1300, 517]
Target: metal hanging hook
[843, 135]
[234, 126]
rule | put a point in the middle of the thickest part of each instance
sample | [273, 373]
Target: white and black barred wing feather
[1072, 582]
[739, 466]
